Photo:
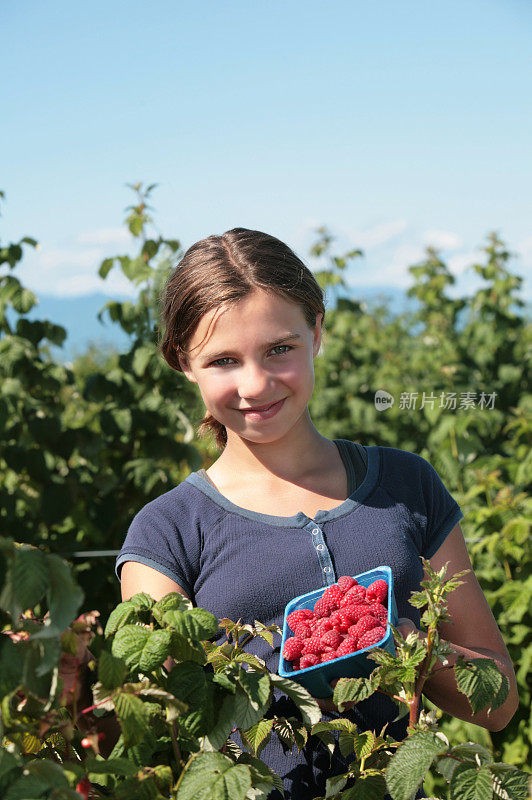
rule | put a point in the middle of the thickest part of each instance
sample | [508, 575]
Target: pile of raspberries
[346, 618]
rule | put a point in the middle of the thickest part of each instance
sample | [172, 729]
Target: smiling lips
[264, 412]
[260, 408]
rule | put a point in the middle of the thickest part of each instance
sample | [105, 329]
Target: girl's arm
[137, 577]
[473, 633]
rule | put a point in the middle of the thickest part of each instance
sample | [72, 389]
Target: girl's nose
[253, 383]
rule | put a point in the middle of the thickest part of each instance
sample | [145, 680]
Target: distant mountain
[79, 316]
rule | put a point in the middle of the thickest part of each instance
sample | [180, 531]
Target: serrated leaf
[112, 670]
[30, 576]
[63, 595]
[470, 751]
[174, 601]
[129, 643]
[482, 683]
[133, 717]
[112, 766]
[155, 651]
[247, 712]
[410, 763]
[307, 705]
[258, 735]
[184, 650]
[367, 787]
[353, 690]
[197, 623]
[224, 723]
[121, 615]
[213, 776]
[470, 783]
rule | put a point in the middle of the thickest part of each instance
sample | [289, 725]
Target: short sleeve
[441, 510]
[154, 539]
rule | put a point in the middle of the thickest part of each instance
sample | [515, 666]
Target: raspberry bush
[117, 719]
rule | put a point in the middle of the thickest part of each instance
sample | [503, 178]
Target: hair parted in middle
[220, 270]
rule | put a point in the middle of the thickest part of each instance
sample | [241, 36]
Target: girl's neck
[297, 454]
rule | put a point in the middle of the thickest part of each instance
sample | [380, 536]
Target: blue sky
[395, 124]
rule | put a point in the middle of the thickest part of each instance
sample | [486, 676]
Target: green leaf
[213, 776]
[112, 766]
[470, 783]
[349, 690]
[174, 601]
[184, 650]
[258, 735]
[196, 624]
[112, 670]
[123, 613]
[187, 681]
[133, 717]
[129, 643]
[224, 722]
[410, 763]
[307, 705]
[334, 785]
[156, 651]
[482, 683]
[63, 595]
[105, 267]
[247, 712]
[26, 581]
[368, 787]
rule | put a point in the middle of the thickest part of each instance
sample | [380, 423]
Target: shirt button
[315, 531]
[320, 547]
[326, 569]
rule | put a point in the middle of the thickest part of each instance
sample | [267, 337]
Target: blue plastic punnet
[354, 665]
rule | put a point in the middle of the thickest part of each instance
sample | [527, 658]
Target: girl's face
[253, 363]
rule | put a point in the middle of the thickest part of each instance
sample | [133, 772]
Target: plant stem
[421, 678]
[175, 744]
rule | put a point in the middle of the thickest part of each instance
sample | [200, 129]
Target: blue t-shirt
[247, 565]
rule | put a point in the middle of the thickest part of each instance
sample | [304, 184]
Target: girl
[284, 510]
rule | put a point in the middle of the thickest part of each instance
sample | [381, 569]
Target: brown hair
[223, 269]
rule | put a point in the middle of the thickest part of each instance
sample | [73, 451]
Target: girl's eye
[222, 362]
[217, 362]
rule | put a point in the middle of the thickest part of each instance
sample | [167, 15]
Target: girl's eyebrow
[288, 338]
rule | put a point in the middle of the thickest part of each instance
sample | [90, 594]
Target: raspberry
[364, 625]
[323, 625]
[333, 593]
[296, 664]
[302, 630]
[349, 645]
[309, 660]
[343, 621]
[377, 592]
[331, 639]
[378, 611]
[346, 582]
[355, 595]
[292, 648]
[355, 612]
[329, 656]
[371, 638]
[324, 606]
[313, 645]
[298, 616]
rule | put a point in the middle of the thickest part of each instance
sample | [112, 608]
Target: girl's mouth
[265, 413]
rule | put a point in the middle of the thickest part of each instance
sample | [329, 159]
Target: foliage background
[84, 446]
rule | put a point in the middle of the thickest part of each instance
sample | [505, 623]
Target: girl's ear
[317, 334]
[185, 366]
